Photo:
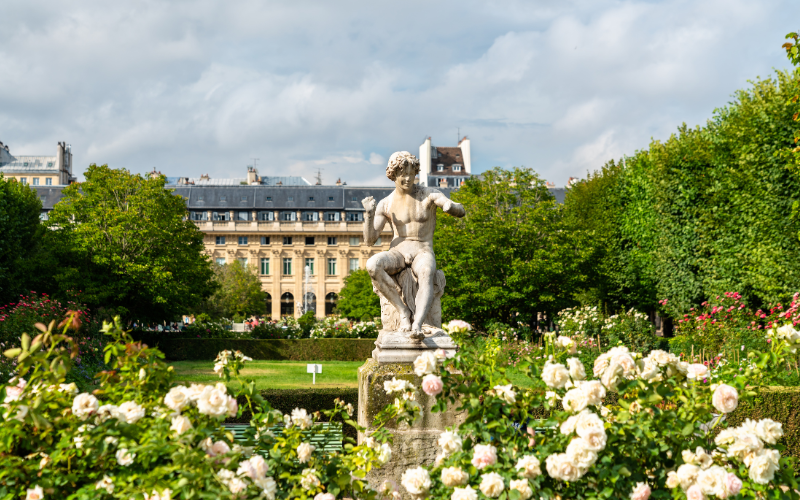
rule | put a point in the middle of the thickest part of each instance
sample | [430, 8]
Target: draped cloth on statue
[407, 285]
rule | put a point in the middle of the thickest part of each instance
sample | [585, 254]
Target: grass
[275, 374]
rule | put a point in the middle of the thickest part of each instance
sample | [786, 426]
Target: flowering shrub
[585, 321]
[19, 317]
[653, 441]
[631, 329]
[338, 328]
[139, 436]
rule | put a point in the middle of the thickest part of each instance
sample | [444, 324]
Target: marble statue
[405, 276]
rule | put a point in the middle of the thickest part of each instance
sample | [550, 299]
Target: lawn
[275, 374]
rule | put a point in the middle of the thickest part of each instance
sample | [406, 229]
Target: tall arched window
[330, 303]
[269, 306]
[287, 304]
[310, 302]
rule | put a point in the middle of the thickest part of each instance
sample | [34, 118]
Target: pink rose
[233, 407]
[13, 393]
[641, 492]
[695, 493]
[484, 455]
[432, 384]
[732, 484]
[324, 496]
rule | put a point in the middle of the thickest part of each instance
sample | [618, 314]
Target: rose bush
[137, 435]
[664, 437]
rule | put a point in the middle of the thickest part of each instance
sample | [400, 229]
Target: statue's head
[400, 161]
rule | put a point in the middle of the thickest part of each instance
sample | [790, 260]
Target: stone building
[38, 170]
[442, 167]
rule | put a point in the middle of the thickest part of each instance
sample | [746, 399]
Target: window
[24, 180]
[287, 240]
[290, 198]
[378, 242]
[269, 198]
[353, 265]
[221, 216]
[265, 240]
[331, 267]
[265, 266]
[244, 198]
[330, 198]
[35, 181]
[310, 198]
[331, 240]
[266, 216]
[242, 215]
[330, 303]
[310, 266]
[48, 182]
[456, 168]
[309, 240]
[25, 164]
[354, 216]
[354, 198]
[439, 167]
[287, 304]
[287, 266]
[242, 261]
[199, 215]
[310, 216]
[220, 261]
[288, 216]
[49, 163]
[355, 241]
[43, 216]
[223, 197]
[243, 240]
[220, 240]
[269, 305]
[332, 216]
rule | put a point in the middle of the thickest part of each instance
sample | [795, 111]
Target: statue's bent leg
[377, 267]
[424, 267]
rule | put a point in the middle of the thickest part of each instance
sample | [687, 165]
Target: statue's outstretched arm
[448, 206]
[373, 223]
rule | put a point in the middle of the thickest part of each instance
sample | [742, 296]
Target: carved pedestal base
[397, 347]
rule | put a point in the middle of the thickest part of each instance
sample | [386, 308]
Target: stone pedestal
[413, 446]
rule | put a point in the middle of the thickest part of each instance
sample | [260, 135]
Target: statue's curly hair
[398, 161]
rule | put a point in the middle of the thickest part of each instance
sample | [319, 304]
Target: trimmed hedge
[780, 404]
[176, 349]
[311, 400]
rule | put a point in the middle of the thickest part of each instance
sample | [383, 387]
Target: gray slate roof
[289, 180]
[50, 195]
[31, 165]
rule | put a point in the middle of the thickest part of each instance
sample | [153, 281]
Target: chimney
[339, 181]
[252, 176]
[204, 177]
[466, 154]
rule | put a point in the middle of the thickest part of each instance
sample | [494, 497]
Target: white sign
[312, 368]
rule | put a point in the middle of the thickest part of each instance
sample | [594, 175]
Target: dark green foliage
[510, 256]
[781, 404]
[238, 294]
[20, 236]
[126, 242]
[307, 322]
[176, 349]
[357, 300]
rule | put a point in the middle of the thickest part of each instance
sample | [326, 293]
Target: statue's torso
[413, 216]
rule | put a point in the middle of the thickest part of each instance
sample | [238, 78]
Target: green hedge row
[311, 400]
[780, 404]
[176, 349]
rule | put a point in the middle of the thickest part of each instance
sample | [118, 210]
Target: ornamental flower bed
[665, 436]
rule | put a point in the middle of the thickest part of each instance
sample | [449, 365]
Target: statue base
[398, 347]
[412, 445]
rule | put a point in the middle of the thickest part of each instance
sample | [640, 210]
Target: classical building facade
[443, 167]
[38, 170]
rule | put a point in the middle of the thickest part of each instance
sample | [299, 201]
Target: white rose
[268, 487]
[425, 363]
[35, 493]
[725, 398]
[84, 405]
[595, 440]
[464, 494]
[594, 391]
[763, 467]
[105, 484]
[505, 393]
[384, 453]
[696, 371]
[395, 385]
[567, 343]
[105, 412]
[524, 488]
[304, 451]
[581, 454]
[745, 444]
[259, 466]
[601, 363]
[712, 481]
[124, 457]
[301, 418]
[769, 431]
[309, 479]
[416, 481]
[529, 466]
[687, 475]
[484, 455]
[575, 400]
[702, 458]
[672, 480]
[568, 425]
[70, 388]
[177, 399]
[588, 423]
[694, 492]
[576, 369]
[130, 412]
[610, 377]
[454, 476]
[555, 375]
[641, 492]
[180, 424]
[450, 442]
[725, 436]
[492, 484]
[236, 486]
[560, 467]
[193, 391]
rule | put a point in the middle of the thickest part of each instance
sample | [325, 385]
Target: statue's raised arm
[405, 276]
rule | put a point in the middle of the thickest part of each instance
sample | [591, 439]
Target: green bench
[328, 443]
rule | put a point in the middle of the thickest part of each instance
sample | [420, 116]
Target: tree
[357, 300]
[21, 234]
[126, 243]
[510, 257]
[239, 292]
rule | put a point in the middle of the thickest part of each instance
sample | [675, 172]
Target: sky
[202, 87]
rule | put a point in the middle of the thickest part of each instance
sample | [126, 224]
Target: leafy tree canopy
[357, 300]
[20, 234]
[239, 292]
[127, 245]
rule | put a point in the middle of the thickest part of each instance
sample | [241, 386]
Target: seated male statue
[411, 211]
